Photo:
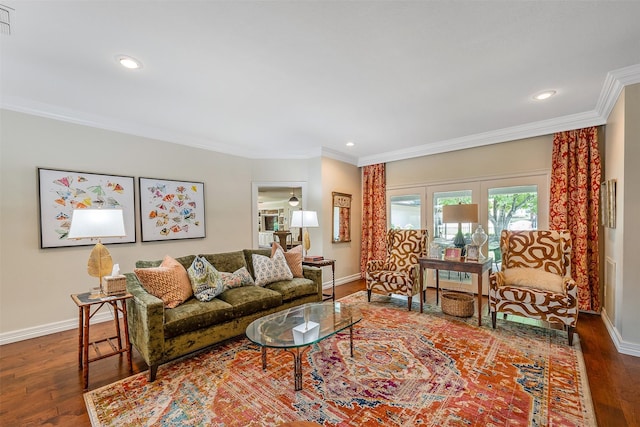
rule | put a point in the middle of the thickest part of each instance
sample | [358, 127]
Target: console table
[473, 267]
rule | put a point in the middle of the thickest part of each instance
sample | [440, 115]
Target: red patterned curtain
[374, 215]
[574, 206]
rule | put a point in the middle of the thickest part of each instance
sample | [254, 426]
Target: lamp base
[459, 241]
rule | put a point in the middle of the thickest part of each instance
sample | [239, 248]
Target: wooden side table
[477, 267]
[325, 263]
[119, 305]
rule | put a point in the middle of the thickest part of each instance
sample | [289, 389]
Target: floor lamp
[304, 220]
[96, 224]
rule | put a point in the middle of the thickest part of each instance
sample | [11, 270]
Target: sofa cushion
[533, 278]
[194, 315]
[248, 258]
[227, 261]
[250, 299]
[184, 260]
[205, 280]
[240, 277]
[294, 288]
[164, 283]
[293, 257]
[269, 270]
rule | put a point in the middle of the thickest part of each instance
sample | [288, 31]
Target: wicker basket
[114, 285]
[457, 303]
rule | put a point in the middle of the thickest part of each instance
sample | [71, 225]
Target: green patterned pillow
[269, 270]
[206, 281]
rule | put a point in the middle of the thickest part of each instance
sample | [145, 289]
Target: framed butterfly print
[171, 210]
[62, 191]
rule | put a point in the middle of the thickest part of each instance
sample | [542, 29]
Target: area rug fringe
[408, 369]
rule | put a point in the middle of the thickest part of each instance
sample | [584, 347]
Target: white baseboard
[622, 346]
[65, 325]
[50, 328]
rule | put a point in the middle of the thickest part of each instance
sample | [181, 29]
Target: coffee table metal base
[297, 359]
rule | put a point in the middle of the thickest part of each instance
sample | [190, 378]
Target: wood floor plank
[41, 384]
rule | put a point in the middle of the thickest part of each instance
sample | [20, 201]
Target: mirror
[341, 217]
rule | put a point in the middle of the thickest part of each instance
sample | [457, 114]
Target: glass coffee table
[296, 329]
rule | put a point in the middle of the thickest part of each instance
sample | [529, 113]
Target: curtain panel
[574, 206]
[374, 215]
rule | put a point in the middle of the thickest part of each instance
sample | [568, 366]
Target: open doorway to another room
[273, 205]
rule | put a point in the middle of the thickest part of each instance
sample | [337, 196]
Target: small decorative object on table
[473, 253]
[452, 253]
[457, 303]
[306, 332]
[434, 250]
[115, 285]
[479, 238]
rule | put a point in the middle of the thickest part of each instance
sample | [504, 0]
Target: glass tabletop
[302, 325]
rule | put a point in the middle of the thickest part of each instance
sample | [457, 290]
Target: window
[443, 234]
[516, 202]
[405, 211]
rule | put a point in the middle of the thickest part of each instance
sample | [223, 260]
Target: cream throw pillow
[293, 257]
[269, 270]
[533, 278]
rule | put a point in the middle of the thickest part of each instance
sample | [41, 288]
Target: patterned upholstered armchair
[535, 279]
[398, 274]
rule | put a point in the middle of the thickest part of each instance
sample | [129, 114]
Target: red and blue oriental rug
[408, 369]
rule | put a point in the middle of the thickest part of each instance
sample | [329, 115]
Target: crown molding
[529, 130]
[614, 83]
[327, 152]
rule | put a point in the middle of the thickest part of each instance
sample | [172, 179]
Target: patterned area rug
[408, 369]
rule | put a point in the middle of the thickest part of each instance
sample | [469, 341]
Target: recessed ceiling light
[128, 62]
[350, 144]
[544, 95]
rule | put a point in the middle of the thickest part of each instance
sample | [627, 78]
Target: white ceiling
[296, 79]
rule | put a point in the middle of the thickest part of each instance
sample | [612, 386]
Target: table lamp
[460, 213]
[304, 219]
[97, 224]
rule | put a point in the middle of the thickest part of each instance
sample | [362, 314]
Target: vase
[479, 238]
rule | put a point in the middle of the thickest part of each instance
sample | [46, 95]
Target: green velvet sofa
[162, 334]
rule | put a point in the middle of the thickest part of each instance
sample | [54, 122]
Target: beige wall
[35, 283]
[342, 178]
[532, 154]
[612, 237]
[630, 316]
[621, 313]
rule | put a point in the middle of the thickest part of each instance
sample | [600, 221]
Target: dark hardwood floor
[40, 383]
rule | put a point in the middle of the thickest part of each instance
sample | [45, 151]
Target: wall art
[171, 210]
[62, 191]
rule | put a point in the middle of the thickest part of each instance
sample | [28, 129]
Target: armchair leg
[494, 315]
[570, 330]
[409, 299]
[368, 295]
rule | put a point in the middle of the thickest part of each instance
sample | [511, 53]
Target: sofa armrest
[315, 274]
[145, 318]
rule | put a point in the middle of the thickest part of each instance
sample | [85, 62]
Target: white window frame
[480, 192]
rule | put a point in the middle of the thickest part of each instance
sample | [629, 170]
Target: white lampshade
[304, 219]
[96, 223]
